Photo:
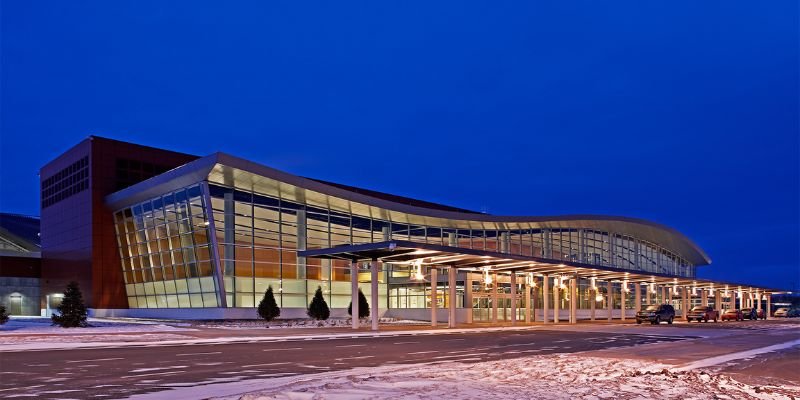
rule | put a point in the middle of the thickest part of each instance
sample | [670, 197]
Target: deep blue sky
[684, 113]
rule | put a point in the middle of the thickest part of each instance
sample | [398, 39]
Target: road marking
[154, 373]
[460, 355]
[97, 359]
[354, 358]
[352, 345]
[198, 354]
[265, 364]
[405, 342]
[285, 349]
[134, 371]
[424, 352]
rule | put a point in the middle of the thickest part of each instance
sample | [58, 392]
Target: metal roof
[236, 172]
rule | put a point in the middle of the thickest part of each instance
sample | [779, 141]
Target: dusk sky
[681, 113]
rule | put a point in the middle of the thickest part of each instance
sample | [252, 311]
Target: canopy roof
[412, 253]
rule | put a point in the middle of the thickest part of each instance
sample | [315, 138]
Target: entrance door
[481, 309]
[15, 306]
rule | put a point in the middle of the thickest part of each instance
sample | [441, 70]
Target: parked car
[702, 313]
[793, 313]
[732, 314]
[656, 314]
[781, 313]
[749, 313]
[760, 314]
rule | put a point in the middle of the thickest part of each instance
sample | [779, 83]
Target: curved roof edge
[640, 228]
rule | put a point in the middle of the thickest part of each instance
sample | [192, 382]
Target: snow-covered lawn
[537, 377]
[297, 323]
[37, 329]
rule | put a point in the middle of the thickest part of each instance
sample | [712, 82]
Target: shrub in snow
[268, 308]
[363, 306]
[71, 312]
[3, 314]
[318, 309]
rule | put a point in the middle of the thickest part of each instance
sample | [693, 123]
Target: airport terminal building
[154, 233]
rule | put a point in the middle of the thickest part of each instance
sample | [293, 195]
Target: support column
[703, 298]
[451, 315]
[609, 300]
[545, 299]
[468, 296]
[573, 300]
[495, 297]
[637, 297]
[593, 299]
[556, 295]
[769, 304]
[622, 299]
[533, 299]
[354, 293]
[374, 266]
[528, 308]
[741, 300]
[758, 301]
[718, 301]
[434, 295]
[663, 294]
[513, 298]
[647, 294]
[685, 306]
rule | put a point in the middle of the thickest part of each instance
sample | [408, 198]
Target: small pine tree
[3, 314]
[268, 308]
[363, 306]
[318, 309]
[71, 312]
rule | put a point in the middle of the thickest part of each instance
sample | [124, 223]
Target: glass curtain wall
[167, 258]
[165, 252]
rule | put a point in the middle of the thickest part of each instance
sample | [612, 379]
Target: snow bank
[544, 377]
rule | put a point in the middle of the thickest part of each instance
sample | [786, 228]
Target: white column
[718, 300]
[495, 297]
[758, 300]
[573, 300]
[703, 298]
[528, 308]
[769, 304]
[374, 266]
[468, 296]
[556, 293]
[513, 298]
[593, 299]
[451, 315]
[354, 295]
[434, 296]
[545, 299]
[610, 300]
[647, 294]
[741, 300]
[685, 304]
[622, 299]
[637, 297]
[533, 299]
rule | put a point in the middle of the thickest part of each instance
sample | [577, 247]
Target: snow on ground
[38, 329]
[542, 377]
[297, 323]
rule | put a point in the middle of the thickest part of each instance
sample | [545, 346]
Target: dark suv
[655, 314]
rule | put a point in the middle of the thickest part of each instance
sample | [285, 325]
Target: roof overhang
[412, 253]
